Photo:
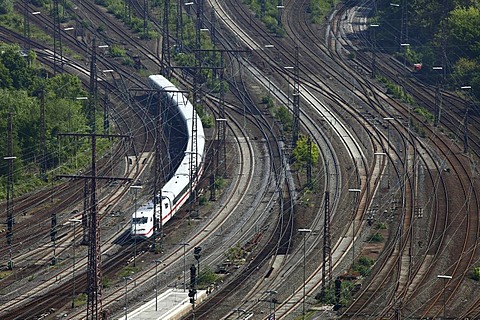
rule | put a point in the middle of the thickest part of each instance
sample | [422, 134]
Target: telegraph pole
[404, 26]
[26, 25]
[221, 152]
[165, 61]
[157, 192]
[10, 218]
[327, 247]
[296, 101]
[94, 272]
[309, 163]
[262, 8]
[179, 26]
[43, 138]
[145, 19]
[57, 40]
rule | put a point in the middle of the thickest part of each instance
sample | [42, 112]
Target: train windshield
[140, 220]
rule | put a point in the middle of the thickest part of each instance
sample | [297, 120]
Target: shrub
[362, 265]
[476, 274]
[376, 237]
[116, 51]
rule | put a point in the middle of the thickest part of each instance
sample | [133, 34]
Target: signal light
[196, 252]
[193, 275]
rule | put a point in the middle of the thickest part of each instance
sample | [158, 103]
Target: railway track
[62, 244]
[408, 166]
[441, 224]
[50, 302]
[412, 183]
[282, 59]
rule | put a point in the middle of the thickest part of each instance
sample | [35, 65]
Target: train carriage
[177, 189]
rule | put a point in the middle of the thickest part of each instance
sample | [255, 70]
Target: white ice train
[177, 190]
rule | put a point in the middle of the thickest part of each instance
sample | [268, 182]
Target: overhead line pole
[10, 217]
[94, 274]
[296, 101]
[165, 41]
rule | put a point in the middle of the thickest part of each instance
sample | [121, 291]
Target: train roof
[181, 177]
[161, 82]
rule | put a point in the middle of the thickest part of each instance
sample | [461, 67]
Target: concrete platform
[169, 305]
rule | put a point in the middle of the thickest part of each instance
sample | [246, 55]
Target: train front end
[142, 222]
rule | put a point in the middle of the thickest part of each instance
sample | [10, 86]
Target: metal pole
[135, 238]
[444, 301]
[135, 188]
[374, 48]
[156, 285]
[126, 296]
[74, 221]
[184, 266]
[353, 226]
[304, 276]
[304, 231]
[270, 302]
[388, 119]
[465, 121]
[73, 271]
[445, 278]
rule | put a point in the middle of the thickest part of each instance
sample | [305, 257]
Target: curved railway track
[416, 165]
[49, 302]
[437, 244]
[131, 128]
[406, 134]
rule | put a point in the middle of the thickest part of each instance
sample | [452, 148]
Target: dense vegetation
[269, 12]
[439, 33]
[24, 89]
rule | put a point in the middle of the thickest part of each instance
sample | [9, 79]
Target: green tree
[23, 93]
[21, 74]
[5, 80]
[301, 153]
[285, 117]
[6, 6]
[464, 32]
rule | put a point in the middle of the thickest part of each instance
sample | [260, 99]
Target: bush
[284, 116]
[327, 296]
[363, 265]
[128, 271]
[219, 182]
[116, 51]
[80, 300]
[381, 226]
[476, 274]
[207, 277]
[376, 237]
[202, 200]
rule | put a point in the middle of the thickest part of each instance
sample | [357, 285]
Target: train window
[140, 220]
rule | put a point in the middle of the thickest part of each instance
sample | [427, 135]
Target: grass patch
[4, 274]
[128, 271]
[423, 112]
[80, 300]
